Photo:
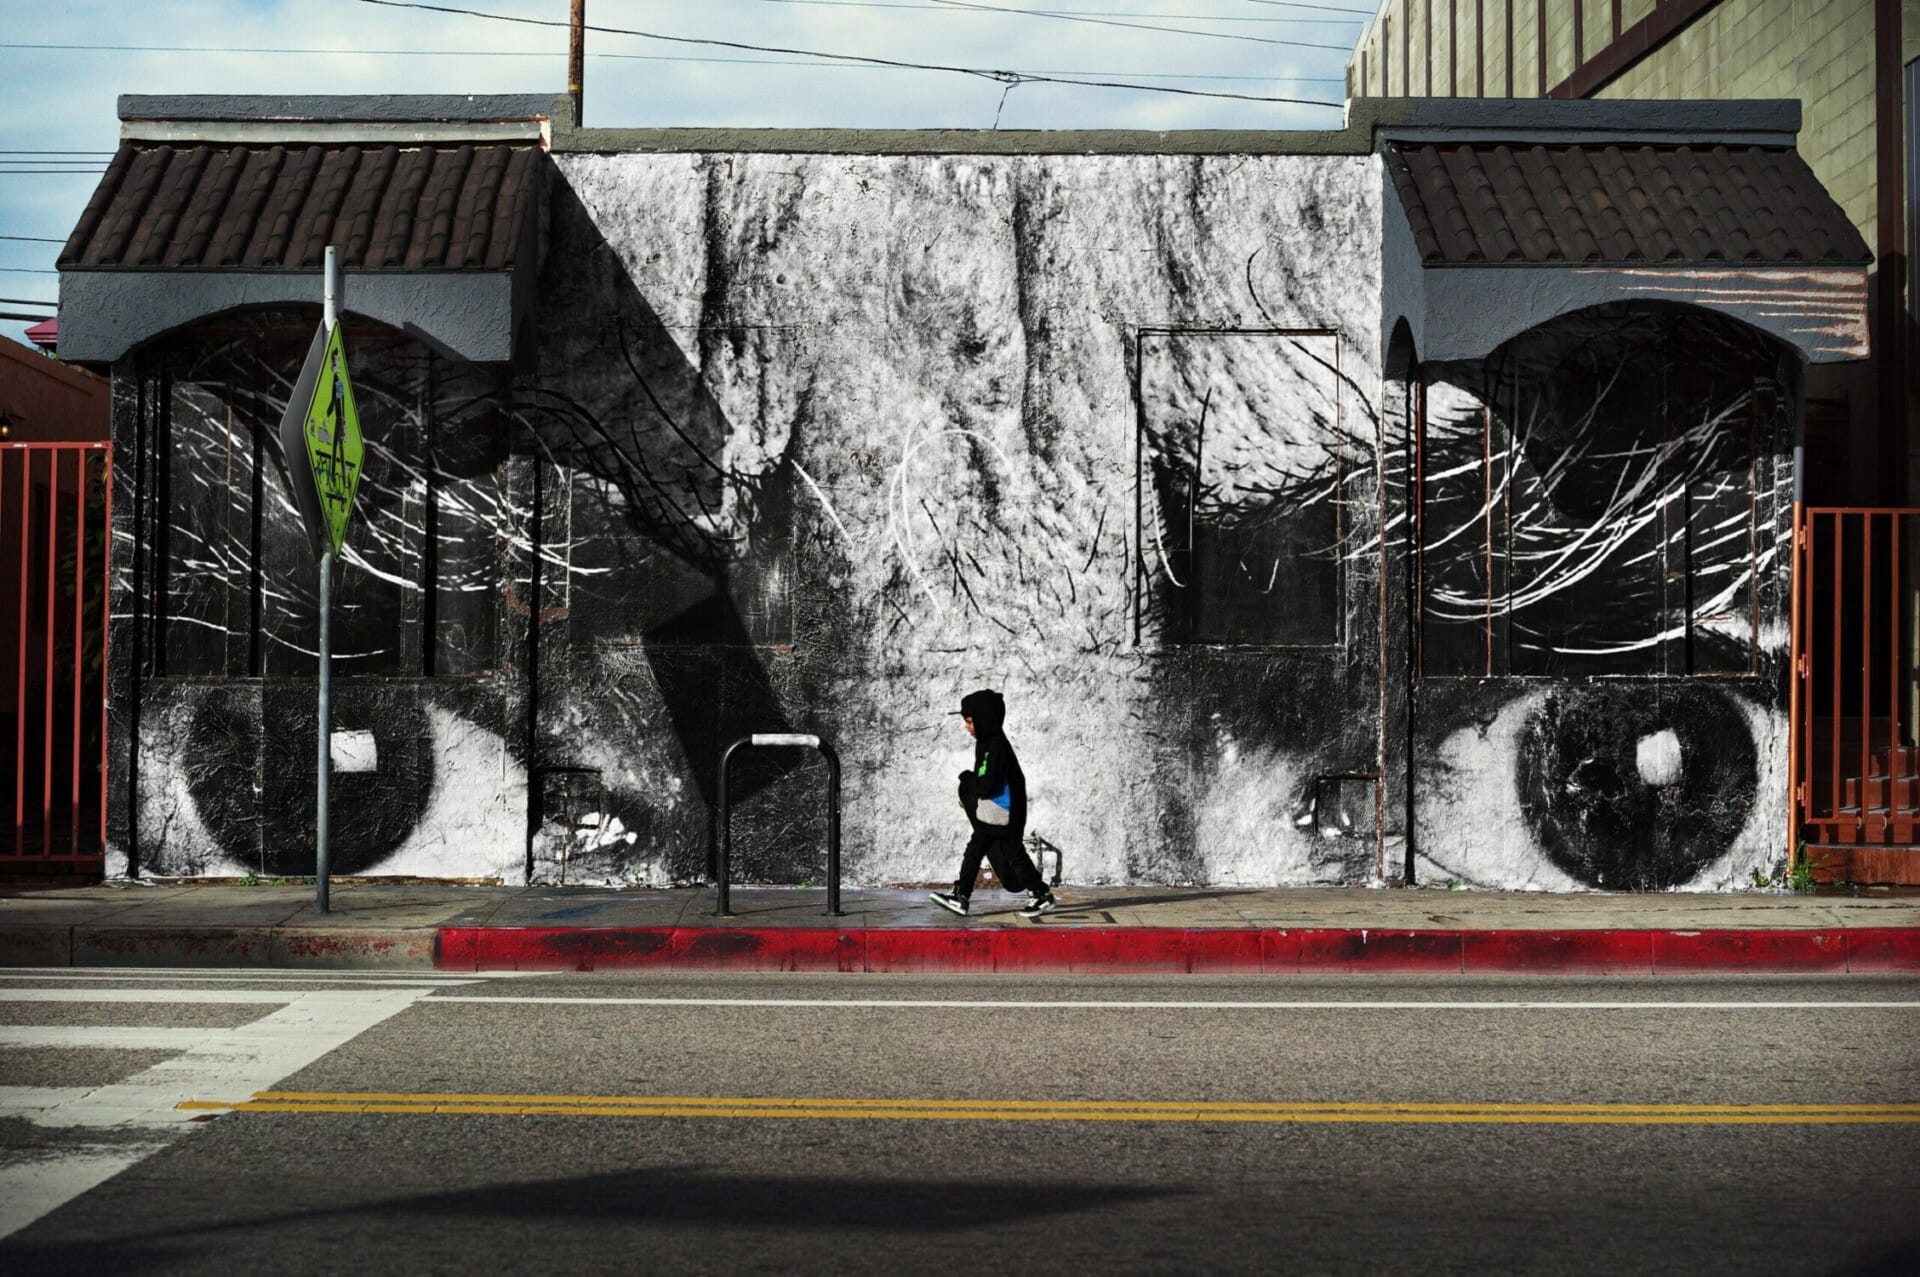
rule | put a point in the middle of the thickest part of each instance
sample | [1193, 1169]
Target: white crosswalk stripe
[303, 1017]
[202, 996]
[103, 1037]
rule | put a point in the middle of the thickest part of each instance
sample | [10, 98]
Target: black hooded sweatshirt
[995, 766]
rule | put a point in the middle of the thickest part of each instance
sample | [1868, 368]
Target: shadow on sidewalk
[1129, 902]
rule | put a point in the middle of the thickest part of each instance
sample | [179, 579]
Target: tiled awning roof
[1485, 204]
[435, 238]
[276, 208]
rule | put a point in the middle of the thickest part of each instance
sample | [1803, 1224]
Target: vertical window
[1241, 466]
[237, 594]
[1589, 498]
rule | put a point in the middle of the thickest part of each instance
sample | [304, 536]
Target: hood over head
[988, 710]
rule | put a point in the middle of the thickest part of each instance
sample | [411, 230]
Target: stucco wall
[912, 409]
[823, 442]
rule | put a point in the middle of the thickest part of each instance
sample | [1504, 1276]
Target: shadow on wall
[666, 609]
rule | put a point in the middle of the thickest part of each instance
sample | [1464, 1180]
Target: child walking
[994, 795]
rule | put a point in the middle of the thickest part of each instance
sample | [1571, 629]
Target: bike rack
[803, 741]
[1040, 848]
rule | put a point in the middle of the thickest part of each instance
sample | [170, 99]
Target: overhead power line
[985, 73]
[630, 57]
[1137, 26]
[1329, 8]
[936, 6]
[29, 301]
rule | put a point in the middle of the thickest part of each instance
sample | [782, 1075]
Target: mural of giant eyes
[1601, 785]
[1601, 505]
[424, 780]
[411, 788]
[1251, 444]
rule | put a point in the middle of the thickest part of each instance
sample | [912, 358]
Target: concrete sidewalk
[1119, 929]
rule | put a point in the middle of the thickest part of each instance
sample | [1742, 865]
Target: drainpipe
[1890, 337]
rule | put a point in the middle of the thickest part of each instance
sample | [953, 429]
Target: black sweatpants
[1008, 856]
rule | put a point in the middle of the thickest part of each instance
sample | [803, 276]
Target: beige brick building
[1842, 59]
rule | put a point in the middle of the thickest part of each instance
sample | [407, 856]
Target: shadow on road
[651, 1199]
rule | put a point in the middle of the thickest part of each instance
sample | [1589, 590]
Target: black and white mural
[822, 442]
[1605, 514]
[222, 644]
[827, 441]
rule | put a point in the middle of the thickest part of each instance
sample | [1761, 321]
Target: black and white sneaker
[947, 900]
[1039, 905]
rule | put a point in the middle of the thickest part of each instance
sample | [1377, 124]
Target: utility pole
[577, 58]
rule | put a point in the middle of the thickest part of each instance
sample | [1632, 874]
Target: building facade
[1848, 62]
[1307, 545]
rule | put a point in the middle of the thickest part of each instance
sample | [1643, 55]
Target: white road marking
[16, 1101]
[228, 1064]
[196, 996]
[1060, 1004]
[252, 976]
[236, 1062]
[107, 1037]
[47, 1179]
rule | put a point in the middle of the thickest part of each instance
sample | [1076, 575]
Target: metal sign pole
[323, 761]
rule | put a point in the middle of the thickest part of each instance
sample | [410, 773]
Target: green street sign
[322, 423]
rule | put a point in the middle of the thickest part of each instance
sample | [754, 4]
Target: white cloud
[64, 99]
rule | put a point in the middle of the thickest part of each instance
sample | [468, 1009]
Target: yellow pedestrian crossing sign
[322, 427]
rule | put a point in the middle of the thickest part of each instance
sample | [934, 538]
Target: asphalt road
[777, 1123]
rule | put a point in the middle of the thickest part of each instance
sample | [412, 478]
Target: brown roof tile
[1493, 203]
[200, 206]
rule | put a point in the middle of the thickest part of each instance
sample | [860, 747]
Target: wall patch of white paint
[474, 825]
[1468, 812]
[1657, 756]
[354, 751]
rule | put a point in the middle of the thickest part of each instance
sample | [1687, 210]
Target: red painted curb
[1558, 952]
[1154, 950]
[1743, 950]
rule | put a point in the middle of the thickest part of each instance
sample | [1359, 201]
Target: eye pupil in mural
[1636, 788]
[372, 810]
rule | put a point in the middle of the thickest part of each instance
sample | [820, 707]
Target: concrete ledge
[204, 946]
[36, 946]
[333, 947]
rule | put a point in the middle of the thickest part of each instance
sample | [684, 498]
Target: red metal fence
[56, 512]
[1852, 756]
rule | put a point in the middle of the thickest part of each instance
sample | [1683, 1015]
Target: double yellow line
[1064, 1110]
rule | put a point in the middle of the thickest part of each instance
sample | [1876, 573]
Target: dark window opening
[1591, 498]
[416, 591]
[1241, 487]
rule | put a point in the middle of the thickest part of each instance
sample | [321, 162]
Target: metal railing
[803, 741]
[53, 623]
[1851, 757]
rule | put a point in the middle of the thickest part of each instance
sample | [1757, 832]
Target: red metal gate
[56, 514]
[1855, 781]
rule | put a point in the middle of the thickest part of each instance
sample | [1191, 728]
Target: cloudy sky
[65, 61]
